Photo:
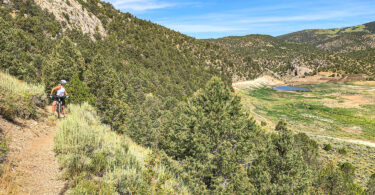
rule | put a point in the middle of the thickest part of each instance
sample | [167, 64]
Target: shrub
[337, 180]
[309, 147]
[371, 185]
[263, 123]
[327, 147]
[78, 91]
[343, 151]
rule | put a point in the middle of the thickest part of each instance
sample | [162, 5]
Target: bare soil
[32, 167]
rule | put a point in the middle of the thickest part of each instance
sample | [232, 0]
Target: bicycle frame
[58, 105]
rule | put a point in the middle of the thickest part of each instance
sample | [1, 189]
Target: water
[291, 88]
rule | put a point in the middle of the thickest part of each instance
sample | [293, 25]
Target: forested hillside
[166, 91]
[135, 58]
[276, 55]
[319, 36]
[348, 49]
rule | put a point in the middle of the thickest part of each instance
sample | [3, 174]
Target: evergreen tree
[337, 180]
[78, 91]
[309, 148]
[142, 122]
[280, 168]
[211, 133]
[111, 103]
[63, 63]
[371, 185]
[97, 74]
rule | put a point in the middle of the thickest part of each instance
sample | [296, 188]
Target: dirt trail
[353, 141]
[34, 168]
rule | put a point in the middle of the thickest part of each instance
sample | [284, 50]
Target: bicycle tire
[58, 110]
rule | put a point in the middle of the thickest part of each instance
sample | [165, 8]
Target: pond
[291, 88]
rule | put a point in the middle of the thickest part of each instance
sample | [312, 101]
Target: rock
[78, 16]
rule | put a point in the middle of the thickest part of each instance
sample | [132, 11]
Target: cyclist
[60, 93]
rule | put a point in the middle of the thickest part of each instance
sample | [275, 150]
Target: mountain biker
[60, 94]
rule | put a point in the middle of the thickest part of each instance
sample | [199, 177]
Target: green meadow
[334, 110]
[340, 110]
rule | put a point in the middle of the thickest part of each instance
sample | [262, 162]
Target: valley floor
[337, 114]
[32, 167]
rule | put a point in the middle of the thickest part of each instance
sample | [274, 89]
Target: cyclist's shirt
[60, 92]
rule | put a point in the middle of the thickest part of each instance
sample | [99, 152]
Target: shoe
[51, 115]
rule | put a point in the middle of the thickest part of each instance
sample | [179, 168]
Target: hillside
[321, 36]
[128, 44]
[350, 44]
[276, 55]
[140, 63]
[348, 50]
[150, 110]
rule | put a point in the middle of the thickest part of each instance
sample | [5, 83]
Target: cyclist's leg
[63, 110]
[63, 107]
[54, 107]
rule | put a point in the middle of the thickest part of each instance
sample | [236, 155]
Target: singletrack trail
[33, 165]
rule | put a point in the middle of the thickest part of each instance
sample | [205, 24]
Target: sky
[214, 19]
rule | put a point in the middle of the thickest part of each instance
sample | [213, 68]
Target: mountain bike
[59, 101]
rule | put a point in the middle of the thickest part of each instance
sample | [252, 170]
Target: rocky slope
[73, 15]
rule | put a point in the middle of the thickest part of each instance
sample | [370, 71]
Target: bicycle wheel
[58, 105]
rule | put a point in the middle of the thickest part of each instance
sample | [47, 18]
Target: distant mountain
[277, 55]
[338, 40]
[347, 49]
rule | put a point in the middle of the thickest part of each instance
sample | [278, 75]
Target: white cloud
[201, 28]
[257, 20]
[305, 17]
[140, 5]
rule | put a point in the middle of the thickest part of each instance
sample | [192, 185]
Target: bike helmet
[63, 82]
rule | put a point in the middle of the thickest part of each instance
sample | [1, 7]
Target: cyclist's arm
[54, 89]
[66, 93]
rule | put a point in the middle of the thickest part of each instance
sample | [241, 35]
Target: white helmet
[63, 82]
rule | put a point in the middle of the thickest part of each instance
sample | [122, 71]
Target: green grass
[19, 99]
[320, 113]
[310, 111]
[96, 160]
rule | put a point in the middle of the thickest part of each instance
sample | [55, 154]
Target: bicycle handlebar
[55, 96]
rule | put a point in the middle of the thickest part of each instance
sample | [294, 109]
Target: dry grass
[16, 87]
[19, 99]
[97, 160]
[363, 83]
[7, 178]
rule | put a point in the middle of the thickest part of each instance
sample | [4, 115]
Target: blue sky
[213, 19]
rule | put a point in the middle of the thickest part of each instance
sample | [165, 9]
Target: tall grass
[14, 86]
[98, 161]
[18, 98]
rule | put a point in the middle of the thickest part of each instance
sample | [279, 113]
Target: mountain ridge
[309, 51]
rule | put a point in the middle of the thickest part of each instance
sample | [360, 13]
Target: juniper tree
[334, 179]
[63, 63]
[211, 133]
[280, 167]
[371, 185]
[78, 91]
